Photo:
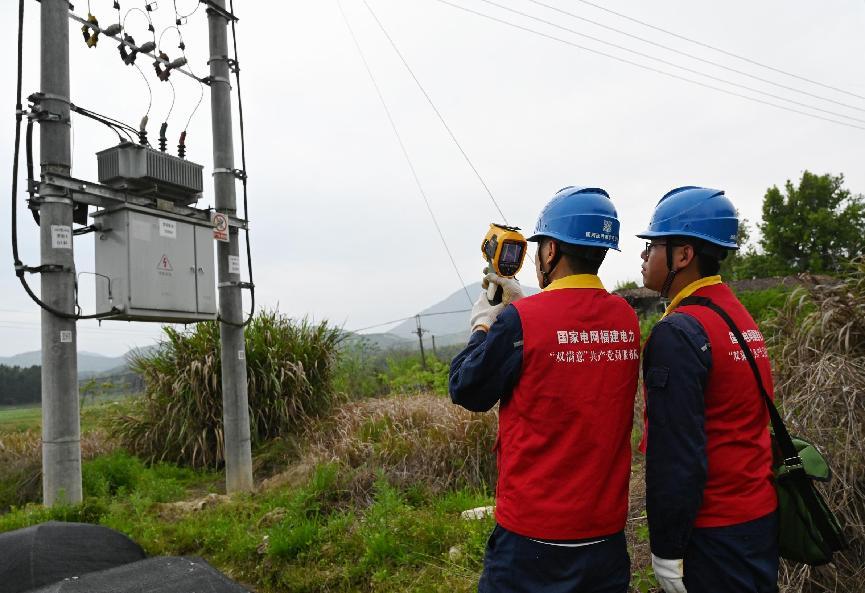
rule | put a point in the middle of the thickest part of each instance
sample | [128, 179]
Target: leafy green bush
[289, 375]
[406, 374]
[360, 369]
[763, 305]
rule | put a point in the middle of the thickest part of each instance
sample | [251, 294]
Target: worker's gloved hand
[670, 574]
[512, 291]
[483, 313]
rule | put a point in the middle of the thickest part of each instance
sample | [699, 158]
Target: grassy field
[20, 419]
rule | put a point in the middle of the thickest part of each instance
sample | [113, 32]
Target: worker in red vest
[564, 365]
[710, 498]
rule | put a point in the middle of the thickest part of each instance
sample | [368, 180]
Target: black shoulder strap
[833, 539]
[782, 437]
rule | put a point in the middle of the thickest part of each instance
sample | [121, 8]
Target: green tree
[812, 227]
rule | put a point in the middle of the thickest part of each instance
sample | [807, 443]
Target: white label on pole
[167, 228]
[65, 336]
[61, 236]
[241, 355]
[234, 264]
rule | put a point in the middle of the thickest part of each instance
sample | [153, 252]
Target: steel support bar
[61, 441]
[235, 406]
[132, 46]
[103, 196]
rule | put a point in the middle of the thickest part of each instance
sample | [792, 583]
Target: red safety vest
[739, 485]
[564, 445]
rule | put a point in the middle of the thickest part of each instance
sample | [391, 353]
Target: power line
[673, 64]
[649, 68]
[402, 146]
[719, 50]
[435, 109]
[693, 57]
[354, 331]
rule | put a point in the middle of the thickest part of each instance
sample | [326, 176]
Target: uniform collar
[576, 281]
[691, 289]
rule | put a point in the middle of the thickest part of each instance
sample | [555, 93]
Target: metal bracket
[237, 173]
[236, 283]
[209, 80]
[219, 10]
[21, 269]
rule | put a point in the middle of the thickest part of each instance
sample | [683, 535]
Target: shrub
[179, 418]
[820, 383]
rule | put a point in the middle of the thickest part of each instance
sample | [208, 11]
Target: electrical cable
[185, 16]
[719, 50]
[20, 268]
[402, 147]
[649, 68]
[673, 64]
[182, 47]
[435, 109]
[354, 331]
[149, 90]
[243, 179]
[693, 57]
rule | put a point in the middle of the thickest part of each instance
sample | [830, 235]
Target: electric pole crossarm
[135, 48]
[103, 196]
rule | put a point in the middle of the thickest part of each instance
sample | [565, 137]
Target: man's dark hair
[709, 255]
[581, 258]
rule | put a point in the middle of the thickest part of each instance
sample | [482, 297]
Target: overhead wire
[185, 16]
[402, 145]
[20, 268]
[673, 64]
[646, 67]
[354, 331]
[244, 177]
[692, 56]
[182, 47]
[719, 50]
[435, 109]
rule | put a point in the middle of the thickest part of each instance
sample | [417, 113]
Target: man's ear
[686, 256]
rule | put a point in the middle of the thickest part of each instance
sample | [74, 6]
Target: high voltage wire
[441, 119]
[719, 50]
[649, 68]
[402, 145]
[354, 331]
[693, 57]
[673, 64]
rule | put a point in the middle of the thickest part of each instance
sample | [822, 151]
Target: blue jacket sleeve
[676, 364]
[489, 366]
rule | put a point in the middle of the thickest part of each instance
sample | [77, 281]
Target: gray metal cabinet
[154, 266]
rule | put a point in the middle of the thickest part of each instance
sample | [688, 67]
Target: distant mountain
[87, 361]
[440, 321]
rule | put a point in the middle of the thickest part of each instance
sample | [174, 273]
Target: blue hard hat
[580, 216]
[698, 212]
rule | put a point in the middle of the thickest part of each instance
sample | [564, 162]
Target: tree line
[815, 226]
[20, 385]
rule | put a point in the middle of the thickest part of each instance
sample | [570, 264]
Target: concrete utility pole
[61, 437]
[420, 332]
[235, 403]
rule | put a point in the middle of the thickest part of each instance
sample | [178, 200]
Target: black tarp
[49, 552]
[163, 574]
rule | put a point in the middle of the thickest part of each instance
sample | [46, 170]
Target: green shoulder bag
[809, 533]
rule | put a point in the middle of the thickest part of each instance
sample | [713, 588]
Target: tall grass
[179, 419]
[819, 341]
[410, 441]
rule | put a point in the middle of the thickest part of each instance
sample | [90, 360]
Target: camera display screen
[511, 253]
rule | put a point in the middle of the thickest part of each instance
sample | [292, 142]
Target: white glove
[511, 289]
[483, 313]
[670, 574]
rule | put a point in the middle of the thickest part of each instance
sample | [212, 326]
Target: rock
[477, 513]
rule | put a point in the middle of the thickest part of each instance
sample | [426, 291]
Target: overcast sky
[340, 231]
